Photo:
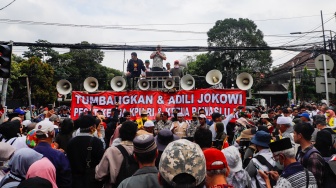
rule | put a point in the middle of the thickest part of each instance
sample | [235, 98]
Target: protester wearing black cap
[134, 68]
[79, 153]
[294, 174]
[145, 153]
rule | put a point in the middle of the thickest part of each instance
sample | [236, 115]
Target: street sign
[320, 85]
[319, 63]
[289, 95]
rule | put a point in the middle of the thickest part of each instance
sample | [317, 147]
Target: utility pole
[29, 96]
[294, 87]
[123, 73]
[325, 63]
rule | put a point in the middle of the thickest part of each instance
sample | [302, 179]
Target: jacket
[108, 168]
[135, 67]
[142, 178]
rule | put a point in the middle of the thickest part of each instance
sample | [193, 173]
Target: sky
[275, 18]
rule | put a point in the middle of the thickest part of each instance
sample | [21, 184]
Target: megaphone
[244, 81]
[90, 84]
[143, 84]
[169, 83]
[187, 82]
[183, 63]
[63, 87]
[118, 83]
[213, 77]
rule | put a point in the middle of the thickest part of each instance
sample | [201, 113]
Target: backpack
[263, 161]
[333, 141]
[333, 148]
[329, 177]
[128, 166]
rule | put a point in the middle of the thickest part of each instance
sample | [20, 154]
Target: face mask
[328, 114]
[176, 66]
[279, 166]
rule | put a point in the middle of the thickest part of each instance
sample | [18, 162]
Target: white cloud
[142, 12]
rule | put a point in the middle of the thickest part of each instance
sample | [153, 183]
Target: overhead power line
[152, 48]
[7, 5]
[96, 26]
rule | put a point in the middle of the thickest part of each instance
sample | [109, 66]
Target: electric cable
[7, 5]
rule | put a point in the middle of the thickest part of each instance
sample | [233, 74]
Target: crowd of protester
[257, 147]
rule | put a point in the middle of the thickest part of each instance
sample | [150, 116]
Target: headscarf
[21, 161]
[332, 115]
[43, 168]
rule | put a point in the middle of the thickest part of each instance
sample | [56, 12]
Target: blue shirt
[59, 160]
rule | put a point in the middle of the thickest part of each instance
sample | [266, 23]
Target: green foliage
[47, 54]
[306, 90]
[239, 33]
[233, 33]
[41, 81]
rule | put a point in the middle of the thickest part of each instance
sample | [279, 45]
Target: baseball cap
[44, 127]
[306, 115]
[215, 159]
[179, 115]
[164, 113]
[233, 158]
[147, 61]
[19, 111]
[26, 123]
[182, 156]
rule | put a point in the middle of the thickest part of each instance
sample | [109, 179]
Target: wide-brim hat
[261, 138]
[233, 158]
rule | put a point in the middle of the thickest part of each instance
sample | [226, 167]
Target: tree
[47, 54]
[306, 90]
[78, 64]
[42, 84]
[238, 33]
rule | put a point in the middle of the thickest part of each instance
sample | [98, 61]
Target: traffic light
[5, 60]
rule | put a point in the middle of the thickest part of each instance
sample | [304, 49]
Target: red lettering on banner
[211, 100]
